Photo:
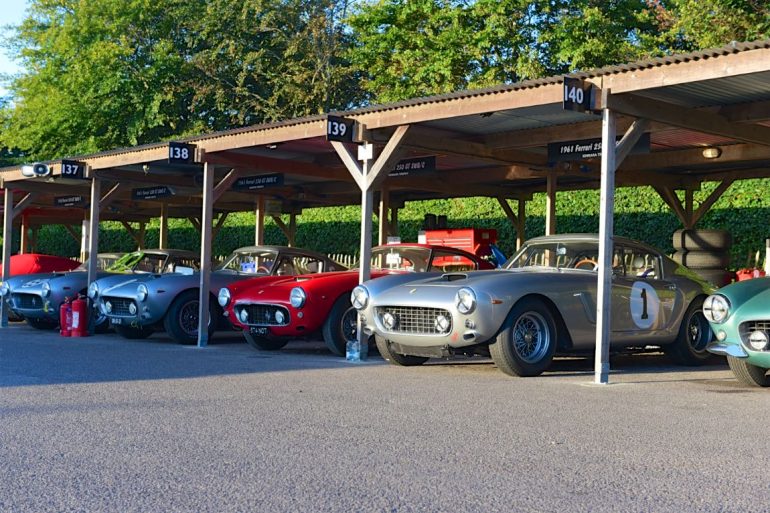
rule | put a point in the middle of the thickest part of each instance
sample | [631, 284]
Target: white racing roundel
[645, 305]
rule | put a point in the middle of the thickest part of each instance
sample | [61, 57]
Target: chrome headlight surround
[297, 297]
[46, 287]
[243, 316]
[5, 289]
[359, 297]
[142, 292]
[716, 308]
[465, 300]
[223, 298]
[93, 290]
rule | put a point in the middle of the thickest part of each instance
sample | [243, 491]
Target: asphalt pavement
[103, 424]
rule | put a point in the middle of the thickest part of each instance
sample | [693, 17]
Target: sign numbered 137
[577, 95]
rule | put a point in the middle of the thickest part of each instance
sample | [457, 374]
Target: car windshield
[103, 261]
[156, 263]
[250, 262]
[561, 254]
[401, 258]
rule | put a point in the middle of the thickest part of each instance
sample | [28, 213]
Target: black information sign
[69, 201]
[414, 166]
[577, 95]
[588, 149]
[181, 153]
[340, 129]
[73, 169]
[250, 183]
[150, 193]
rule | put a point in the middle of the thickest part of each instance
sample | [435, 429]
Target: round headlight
[758, 340]
[93, 290]
[243, 316]
[279, 317]
[132, 308]
[108, 306]
[223, 298]
[359, 297]
[389, 320]
[4, 289]
[297, 297]
[442, 323]
[716, 308]
[465, 300]
[142, 292]
[46, 289]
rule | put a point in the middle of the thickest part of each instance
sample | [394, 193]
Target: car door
[642, 300]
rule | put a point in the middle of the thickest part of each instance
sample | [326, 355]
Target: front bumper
[34, 306]
[126, 311]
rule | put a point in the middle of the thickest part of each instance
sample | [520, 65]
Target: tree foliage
[100, 74]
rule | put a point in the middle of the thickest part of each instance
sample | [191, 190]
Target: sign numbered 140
[577, 95]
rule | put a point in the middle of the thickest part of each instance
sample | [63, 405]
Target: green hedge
[639, 213]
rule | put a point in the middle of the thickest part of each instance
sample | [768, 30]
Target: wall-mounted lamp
[712, 152]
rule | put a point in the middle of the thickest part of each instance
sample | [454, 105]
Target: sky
[11, 13]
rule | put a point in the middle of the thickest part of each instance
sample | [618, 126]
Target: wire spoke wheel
[188, 318]
[349, 324]
[531, 337]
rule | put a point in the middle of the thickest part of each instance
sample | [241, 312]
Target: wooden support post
[706, 205]
[163, 235]
[93, 242]
[521, 228]
[550, 204]
[207, 216]
[7, 242]
[137, 234]
[384, 230]
[394, 221]
[71, 230]
[368, 176]
[195, 222]
[34, 237]
[292, 229]
[611, 153]
[259, 222]
[24, 235]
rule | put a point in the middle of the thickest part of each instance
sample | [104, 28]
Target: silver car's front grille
[27, 301]
[262, 315]
[415, 319]
[747, 328]
[119, 306]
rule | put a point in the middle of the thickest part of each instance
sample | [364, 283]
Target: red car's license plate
[259, 330]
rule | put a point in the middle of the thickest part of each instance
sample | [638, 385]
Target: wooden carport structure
[492, 142]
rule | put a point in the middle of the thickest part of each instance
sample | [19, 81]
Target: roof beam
[690, 119]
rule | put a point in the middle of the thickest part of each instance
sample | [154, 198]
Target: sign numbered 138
[181, 152]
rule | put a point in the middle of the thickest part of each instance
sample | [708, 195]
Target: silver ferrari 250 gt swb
[541, 303]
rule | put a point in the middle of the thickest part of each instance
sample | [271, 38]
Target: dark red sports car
[272, 313]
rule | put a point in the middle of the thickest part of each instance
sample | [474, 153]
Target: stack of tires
[706, 252]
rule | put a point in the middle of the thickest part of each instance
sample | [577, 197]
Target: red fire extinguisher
[80, 317]
[65, 318]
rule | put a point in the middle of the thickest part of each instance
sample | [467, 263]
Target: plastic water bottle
[353, 351]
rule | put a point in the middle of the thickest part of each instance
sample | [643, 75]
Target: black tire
[181, 320]
[133, 332]
[265, 343]
[340, 325]
[703, 259]
[689, 348]
[403, 360]
[747, 373]
[702, 240]
[717, 277]
[527, 342]
[41, 324]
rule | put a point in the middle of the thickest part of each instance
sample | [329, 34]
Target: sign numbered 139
[339, 129]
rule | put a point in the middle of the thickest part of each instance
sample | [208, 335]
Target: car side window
[643, 264]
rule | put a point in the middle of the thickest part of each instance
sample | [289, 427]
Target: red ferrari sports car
[273, 313]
